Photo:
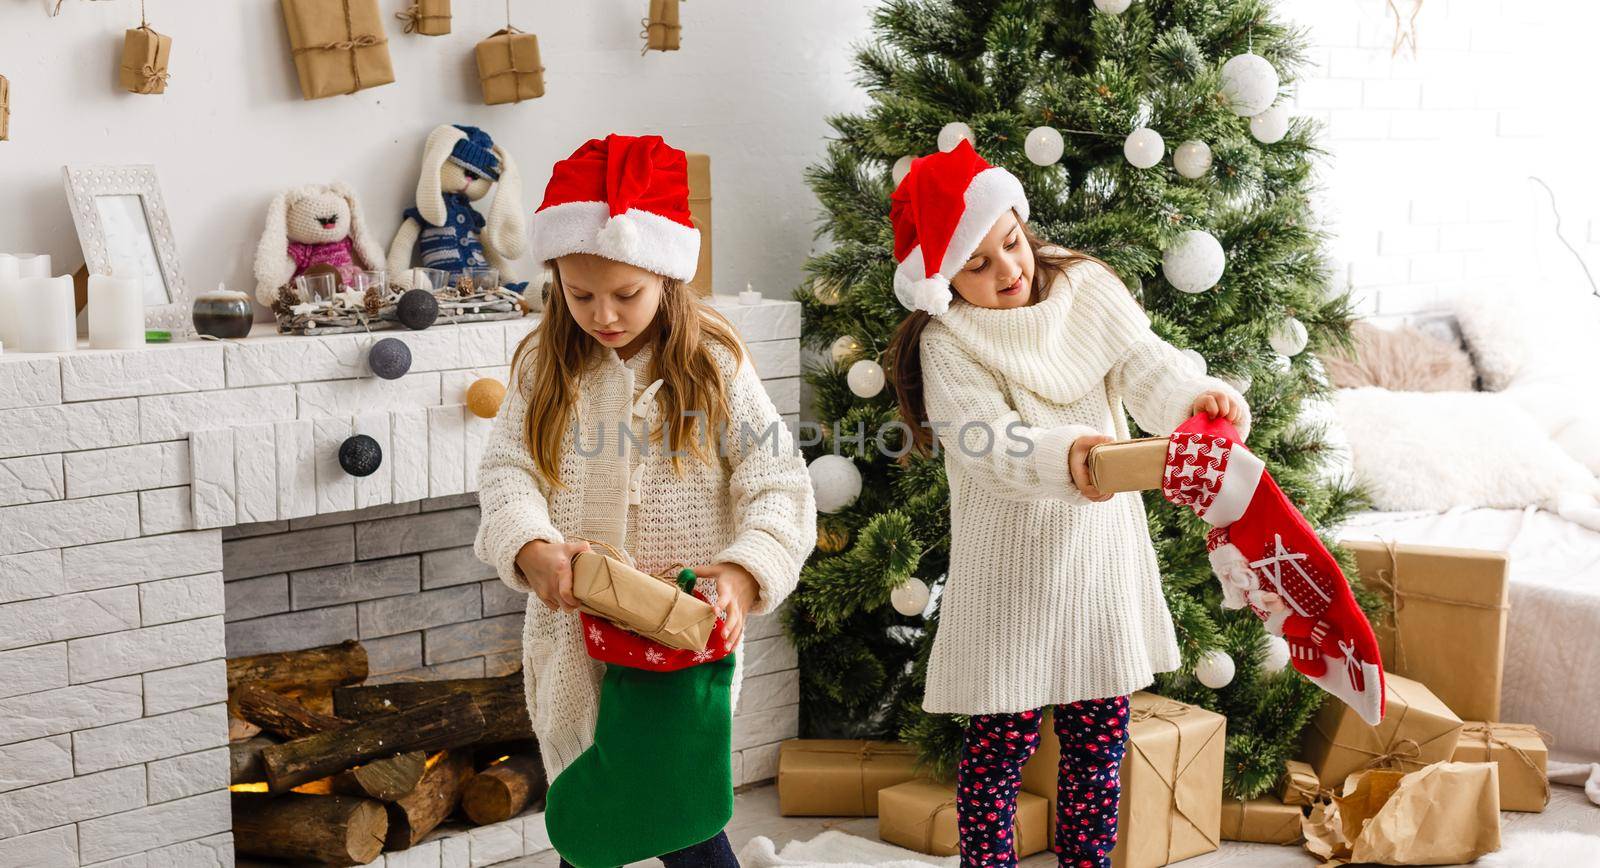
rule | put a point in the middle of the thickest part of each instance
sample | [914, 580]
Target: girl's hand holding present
[548, 568]
[736, 594]
[1218, 403]
[1078, 463]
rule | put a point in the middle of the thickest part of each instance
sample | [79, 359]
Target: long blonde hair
[550, 360]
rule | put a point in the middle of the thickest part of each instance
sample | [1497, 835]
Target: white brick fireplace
[164, 508]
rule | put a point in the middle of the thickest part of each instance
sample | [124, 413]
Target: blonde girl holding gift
[1018, 357]
[636, 418]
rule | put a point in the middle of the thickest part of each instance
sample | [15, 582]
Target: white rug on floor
[1529, 849]
[835, 849]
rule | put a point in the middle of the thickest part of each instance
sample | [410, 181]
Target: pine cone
[284, 305]
[373, 300]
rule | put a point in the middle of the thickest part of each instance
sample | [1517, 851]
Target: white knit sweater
[753, 507]
[1050, 598]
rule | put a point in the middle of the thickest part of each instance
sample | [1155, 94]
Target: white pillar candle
[33, 265]
[10, 288]
[116, 313]
[47, 318]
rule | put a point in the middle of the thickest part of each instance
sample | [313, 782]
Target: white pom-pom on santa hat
[620, 234]
[931, 294]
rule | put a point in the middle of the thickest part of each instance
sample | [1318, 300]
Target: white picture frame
[124, 231]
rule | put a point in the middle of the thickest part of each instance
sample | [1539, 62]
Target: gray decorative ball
[389, 358]
[360, 455]
[417, 309]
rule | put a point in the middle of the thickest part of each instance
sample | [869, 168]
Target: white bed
[1552, 666]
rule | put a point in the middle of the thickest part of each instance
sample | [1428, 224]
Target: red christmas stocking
[1267, 557]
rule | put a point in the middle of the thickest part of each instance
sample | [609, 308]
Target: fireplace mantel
[118, 471]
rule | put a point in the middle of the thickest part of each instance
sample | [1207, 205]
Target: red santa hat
[941, 210]
[625, 198]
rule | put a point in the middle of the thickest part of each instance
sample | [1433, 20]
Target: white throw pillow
[1438, 450]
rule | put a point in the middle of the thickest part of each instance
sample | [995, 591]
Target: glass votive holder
[317, 287]
[429, 278]
[365, 280]
[471, 281]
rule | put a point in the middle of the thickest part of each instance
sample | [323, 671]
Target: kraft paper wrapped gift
[508, 66]
[145, 54]
[1300, 785]
[5, 109]
[700, 215]
[651, 606]
[427, 17]
[339, 46]
[1128, 465]
[1417, 730]
[1447, 627]
[1519, 750]
[839, 777]
[1171, 806]
[1445, 814]
[920, 815]
[1262, 821]
[661, 29]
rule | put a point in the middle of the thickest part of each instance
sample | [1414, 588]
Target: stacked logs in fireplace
[330, 770]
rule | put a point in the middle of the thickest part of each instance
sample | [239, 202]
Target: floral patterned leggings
[1093, 737]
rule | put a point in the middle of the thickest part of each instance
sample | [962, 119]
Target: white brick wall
[118, 607]
[1426, 189]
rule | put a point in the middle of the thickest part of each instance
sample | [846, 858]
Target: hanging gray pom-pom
[389, 358]
[417, 309]
[360, 455]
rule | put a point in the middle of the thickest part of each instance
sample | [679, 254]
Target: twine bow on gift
[647, 23]
[930, 821]
[413, 17]
[350, 43]
[1170, 712]
[1490, 733]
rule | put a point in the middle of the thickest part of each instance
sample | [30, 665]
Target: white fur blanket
[835, 849]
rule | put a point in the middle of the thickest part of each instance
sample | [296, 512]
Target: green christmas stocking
[658, 777]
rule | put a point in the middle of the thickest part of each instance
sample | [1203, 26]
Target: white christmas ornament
[836, 482]
[910, 598]
[826, 291]
[1144, 147]
[865, 378]
[952, 133]
[1288, 337]
[902, 167]
[1283, 363]
[844, 346]
[1192, 159]
[1195, 359]
[1274, 654]
[1250, 84]
[1113, 7]
[1214, 669]
[1271, 126]
[1194, 262]
[1044, 146]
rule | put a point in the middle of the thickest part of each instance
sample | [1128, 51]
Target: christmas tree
[1144, 138]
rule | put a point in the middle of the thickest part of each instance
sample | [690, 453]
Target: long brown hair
[550, 359]
[904, 353]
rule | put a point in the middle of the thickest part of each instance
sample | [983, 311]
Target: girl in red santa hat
[1017, 358]
[599, 439]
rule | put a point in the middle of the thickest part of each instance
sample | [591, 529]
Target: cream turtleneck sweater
[1050, 598]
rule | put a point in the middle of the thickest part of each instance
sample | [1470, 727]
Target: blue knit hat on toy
[475, 153]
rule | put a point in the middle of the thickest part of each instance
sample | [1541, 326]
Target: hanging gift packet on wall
[338, 45]
[427, 17]
[144, 58]
[508, 65]
[5, 109]
[661, 27]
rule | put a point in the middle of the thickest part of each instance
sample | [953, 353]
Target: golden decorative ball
[831, 541]
[484, 397]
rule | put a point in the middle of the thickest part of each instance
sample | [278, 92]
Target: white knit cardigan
[752, 506]
[1050, 598]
